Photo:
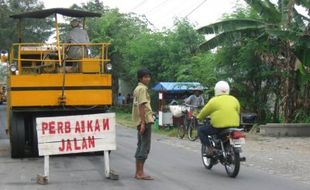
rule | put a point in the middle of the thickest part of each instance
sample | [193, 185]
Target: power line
[195, 8]
[157, 6]
[139, 5]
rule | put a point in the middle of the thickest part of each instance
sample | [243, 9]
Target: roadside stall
[170, 93]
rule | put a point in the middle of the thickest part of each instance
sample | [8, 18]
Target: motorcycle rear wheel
[232, 166]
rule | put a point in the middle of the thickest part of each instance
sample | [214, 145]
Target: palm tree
[287, 33]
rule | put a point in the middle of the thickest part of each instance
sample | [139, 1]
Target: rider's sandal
[210, 153]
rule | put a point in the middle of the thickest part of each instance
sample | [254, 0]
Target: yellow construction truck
[43, 81]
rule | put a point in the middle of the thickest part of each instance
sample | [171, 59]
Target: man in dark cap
[77, 35]
[142, 116]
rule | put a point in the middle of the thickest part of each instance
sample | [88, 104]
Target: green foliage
[167, 54]
[302, 116]
[93, 6]
[251, 80]
[262, 49]
[33, 30]
[147, 50]
[3, 72]
[202, 69]
[231, 25]
[266, 10]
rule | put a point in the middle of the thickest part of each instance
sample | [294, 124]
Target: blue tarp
[176, 86]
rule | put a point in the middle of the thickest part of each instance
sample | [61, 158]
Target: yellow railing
[41, 57]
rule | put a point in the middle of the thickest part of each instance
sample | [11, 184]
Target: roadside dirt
[284, 156]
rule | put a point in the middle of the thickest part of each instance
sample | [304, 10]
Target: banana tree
[287, 32]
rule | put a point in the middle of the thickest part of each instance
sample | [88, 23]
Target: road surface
[173, 167]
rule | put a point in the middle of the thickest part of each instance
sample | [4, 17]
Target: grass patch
[124, 119]
[170, 132]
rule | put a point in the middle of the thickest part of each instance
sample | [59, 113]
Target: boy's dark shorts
[144, 143]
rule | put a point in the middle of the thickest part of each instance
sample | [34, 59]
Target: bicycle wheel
[192, 132]
[181, 131]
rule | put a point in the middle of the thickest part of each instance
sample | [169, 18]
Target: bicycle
[192, 130]
[187, 123]
[179, 112]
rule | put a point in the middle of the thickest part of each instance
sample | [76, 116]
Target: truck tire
[17, 135]
[35, 152]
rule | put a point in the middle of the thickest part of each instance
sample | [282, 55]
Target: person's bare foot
[144, 177]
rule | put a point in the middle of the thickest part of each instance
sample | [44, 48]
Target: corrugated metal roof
[177, 86]
[62, 11]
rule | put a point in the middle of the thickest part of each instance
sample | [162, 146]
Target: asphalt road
[172, 167]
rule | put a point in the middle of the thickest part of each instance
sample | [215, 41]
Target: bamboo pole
[19, 30]
[58, 39]
[84, 22]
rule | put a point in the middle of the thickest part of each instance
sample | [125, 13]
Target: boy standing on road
[142, 116]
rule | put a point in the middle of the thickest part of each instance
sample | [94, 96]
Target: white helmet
[221, 87]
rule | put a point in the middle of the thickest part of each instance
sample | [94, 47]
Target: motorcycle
[227, 145]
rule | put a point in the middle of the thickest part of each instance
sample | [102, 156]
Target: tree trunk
[290, 90]
[115, 88]
[276, 110]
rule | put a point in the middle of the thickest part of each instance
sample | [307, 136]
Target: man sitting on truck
[76, 35]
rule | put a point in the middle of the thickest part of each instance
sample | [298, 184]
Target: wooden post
[102, 139]
[46, 166]
[107, 164]
[161, 109]
[43, 180]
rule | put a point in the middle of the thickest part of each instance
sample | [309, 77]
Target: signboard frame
[75, 134]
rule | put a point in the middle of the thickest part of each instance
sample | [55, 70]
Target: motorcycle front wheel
[232, 165]
[207, 162]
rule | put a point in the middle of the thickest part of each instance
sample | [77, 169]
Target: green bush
[301, 116]
[126, 108]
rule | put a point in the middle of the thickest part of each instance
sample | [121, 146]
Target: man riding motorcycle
[223, 110]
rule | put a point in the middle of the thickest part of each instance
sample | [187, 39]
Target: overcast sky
[162, 13]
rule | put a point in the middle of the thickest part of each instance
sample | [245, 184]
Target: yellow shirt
[223, 110]
[141, 96]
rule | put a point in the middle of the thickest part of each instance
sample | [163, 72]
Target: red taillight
[190, 114]
[237, 134]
